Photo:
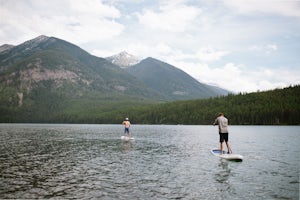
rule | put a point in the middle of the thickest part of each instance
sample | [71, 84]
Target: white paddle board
[225, 155]
[126, 138]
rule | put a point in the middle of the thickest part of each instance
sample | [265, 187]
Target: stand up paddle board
[225, 155]
[126, 138]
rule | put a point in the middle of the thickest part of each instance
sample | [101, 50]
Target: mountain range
[47, 78]
[170, 82]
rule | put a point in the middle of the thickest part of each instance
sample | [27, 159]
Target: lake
[70, 161]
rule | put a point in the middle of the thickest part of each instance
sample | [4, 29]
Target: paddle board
[225, 155]
[126, 138]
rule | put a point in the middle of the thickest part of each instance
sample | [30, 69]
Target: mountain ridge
[46, 79]
[171, 81]
[5, 47]
[60, 56]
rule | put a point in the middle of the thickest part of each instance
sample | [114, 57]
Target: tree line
[276, 107]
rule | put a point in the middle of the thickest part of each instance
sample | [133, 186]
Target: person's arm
[216, 122]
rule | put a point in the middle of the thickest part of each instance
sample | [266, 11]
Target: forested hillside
[279, 106]
[171, 82]
[46, 80]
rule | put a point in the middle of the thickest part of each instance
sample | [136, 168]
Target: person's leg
[228, 148]
[227, 144]
[221, 143]
[221, 148]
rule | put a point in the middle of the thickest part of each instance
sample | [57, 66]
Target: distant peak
[125, 54]
[36, 43]
[123, 59]
[42, 37]
[38, 39]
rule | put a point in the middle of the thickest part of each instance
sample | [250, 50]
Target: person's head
[126, 119]
[220, 114]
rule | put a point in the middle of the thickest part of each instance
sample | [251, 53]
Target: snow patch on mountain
[123, 59]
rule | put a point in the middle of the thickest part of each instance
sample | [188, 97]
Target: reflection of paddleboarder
[223, 131]
[126, 123]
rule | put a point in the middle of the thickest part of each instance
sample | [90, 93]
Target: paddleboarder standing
[126, 124]
[222, 123]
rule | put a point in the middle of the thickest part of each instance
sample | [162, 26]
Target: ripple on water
[89, 161]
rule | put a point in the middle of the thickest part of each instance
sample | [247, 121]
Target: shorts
[223, 137]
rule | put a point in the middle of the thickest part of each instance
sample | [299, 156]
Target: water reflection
[127, 146]
[224, 188]
[224, 172]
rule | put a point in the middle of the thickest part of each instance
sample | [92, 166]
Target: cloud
[235, 44]
[210, 54]
[73, 20]
[173, 17]
[268, 48]
[240, 78]
[94, 7]
[283, 8]
[159, 50]
[166, 52]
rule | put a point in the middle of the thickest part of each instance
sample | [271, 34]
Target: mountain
[171, 82]
[51, 59]
[123, 59]
[5, 47]
[47, 77]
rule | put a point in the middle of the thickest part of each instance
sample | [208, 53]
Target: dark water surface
[164, 162]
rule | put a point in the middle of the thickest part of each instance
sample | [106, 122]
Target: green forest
[276, 107]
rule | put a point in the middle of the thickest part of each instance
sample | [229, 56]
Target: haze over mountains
[50, 75]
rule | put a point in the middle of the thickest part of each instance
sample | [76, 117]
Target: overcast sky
[240, 45]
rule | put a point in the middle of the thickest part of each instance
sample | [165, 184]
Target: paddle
[229, 149]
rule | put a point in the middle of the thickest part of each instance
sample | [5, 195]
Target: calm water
[164, 162]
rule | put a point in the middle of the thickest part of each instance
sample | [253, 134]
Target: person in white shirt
[222, 122]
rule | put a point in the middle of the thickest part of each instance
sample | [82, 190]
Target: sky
[239, 45]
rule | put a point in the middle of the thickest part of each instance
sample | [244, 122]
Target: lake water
[164, 162]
